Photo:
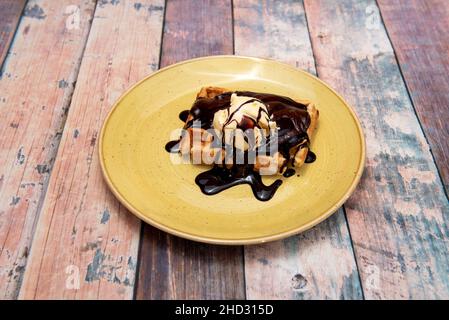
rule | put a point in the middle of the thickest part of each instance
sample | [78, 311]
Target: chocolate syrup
[173, 146]
[183, 115]
[218, 179]
[289, 172]
[292, 120]
[311, 157]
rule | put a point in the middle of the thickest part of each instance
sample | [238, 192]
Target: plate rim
[221, 241]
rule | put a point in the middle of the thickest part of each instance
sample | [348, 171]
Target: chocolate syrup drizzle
[292, 120]
[219, 178]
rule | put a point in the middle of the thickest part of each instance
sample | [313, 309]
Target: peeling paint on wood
[137, 6]
[105, 216]
[171, 267]
[28, 139]
[34, 11]
[15, 200]
[122, 43]
[42, 168]
[398, 221]
[62, 84]
[297, 267]
[103, 3]
[105, 269]
[20, 156]
[93, 268]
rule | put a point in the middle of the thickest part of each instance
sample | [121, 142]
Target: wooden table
[64, 63]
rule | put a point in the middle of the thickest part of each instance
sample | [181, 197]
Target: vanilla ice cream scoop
[243, 113]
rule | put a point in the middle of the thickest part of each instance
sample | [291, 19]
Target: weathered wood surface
[35, 91]
[10, 12]
[398, 216]
[86, 243]
[171, 267]
[318, 264]
[419, 32]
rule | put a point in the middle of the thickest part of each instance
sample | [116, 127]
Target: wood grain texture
[419, 32]
[174, 268]
[86, 243]
[196, 28]
[35, 91]
[170, 267]
[318, 264]
[10, 13]
[398, 216]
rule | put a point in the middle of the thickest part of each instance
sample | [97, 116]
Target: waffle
[206, 153]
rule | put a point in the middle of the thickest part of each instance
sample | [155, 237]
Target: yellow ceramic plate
[138, 169]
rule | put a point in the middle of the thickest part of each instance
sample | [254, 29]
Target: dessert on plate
[244, 135]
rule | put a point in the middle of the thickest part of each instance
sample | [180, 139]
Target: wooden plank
[35, 91]
[170, 267]
[10, 12]
[419, 33]
[86, 243]
[298, 267]
[398, 216]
